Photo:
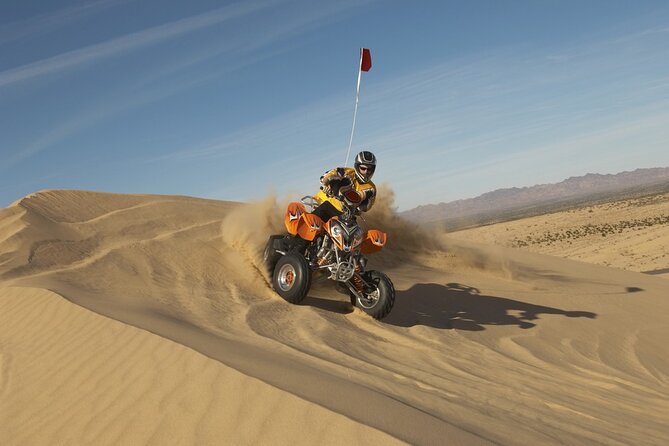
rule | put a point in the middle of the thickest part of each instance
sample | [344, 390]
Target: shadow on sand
[333, 306]
[464, 308]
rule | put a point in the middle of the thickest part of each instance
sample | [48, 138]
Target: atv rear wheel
[292, 278]
[381, 299]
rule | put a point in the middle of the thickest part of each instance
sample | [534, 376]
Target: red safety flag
[365, 59]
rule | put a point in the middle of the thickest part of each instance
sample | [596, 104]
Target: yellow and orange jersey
[367, 190]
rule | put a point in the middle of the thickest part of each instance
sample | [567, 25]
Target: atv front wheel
[380, 300]
[292, 278]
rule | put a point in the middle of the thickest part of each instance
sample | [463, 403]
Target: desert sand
[139, 319]
[631, 234]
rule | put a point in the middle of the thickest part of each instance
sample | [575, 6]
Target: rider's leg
[326, 211]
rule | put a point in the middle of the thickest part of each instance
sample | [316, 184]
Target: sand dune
[485, 345]
[73, 377]
[630, 234]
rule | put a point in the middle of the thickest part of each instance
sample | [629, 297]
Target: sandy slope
[70, 376]
[484, 345]
[631, 234]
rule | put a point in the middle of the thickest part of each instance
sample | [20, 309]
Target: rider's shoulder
[341, 171]
[369, 185]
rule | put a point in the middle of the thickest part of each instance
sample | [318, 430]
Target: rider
[342, 179]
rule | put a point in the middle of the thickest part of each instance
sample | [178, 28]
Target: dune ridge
[485, 345]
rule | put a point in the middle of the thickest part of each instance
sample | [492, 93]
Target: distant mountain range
[507, 204]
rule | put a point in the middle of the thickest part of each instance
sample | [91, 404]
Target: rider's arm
[333, 179]
[368, 199]
[334, 174]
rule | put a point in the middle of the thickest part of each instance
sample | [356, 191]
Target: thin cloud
[299, 24]
[140, 95]
[89, 118]
[130, 42]
[499, 170]
[487, 117]
[45, 23]
[309, 120]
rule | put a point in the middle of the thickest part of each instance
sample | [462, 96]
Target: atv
[334, 250]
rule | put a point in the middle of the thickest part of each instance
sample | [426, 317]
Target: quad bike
[334, 250]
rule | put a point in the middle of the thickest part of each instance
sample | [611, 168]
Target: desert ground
[631, 234]
[143, 319]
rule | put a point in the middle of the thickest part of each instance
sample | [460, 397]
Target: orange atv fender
[293, 215]
[374, 241]
[309, 226]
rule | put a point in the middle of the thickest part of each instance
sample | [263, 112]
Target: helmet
[368, 161]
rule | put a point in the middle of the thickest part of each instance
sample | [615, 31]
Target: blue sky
[235, 100]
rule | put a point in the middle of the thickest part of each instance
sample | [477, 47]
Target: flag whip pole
[355, 111]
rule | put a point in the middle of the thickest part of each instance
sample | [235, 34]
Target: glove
[329, 184]
[327, 190]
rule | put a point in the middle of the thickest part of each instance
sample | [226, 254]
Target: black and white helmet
[365, 165]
